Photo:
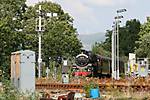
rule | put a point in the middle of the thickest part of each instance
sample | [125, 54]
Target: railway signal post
[39, 29]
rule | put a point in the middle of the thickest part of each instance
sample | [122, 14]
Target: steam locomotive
[99, 66]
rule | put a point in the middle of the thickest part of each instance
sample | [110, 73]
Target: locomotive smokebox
[82, 60]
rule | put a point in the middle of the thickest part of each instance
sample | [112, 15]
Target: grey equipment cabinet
[23, 70]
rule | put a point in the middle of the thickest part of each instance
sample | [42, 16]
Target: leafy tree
[128, 36]
[98, 48]
[143, 44]
[107, 42]
[59, 37]
[9, 38]
[103, 48]
[122, 41]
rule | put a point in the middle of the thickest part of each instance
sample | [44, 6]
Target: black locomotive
[101, 66]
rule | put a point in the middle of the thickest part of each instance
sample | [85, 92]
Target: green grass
[129, 95]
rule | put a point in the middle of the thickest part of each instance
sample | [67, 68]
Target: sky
[93, 16]
[97, 16]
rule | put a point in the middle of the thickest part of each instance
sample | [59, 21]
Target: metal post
[40, 29]
[112, 49]
[114, 52]
[117, 49]
[117, 31]
[55, 69]
[39, 33]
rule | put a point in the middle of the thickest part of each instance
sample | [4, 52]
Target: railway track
[141, 84]
[122, 87]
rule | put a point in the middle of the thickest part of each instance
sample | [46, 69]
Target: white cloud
[123, 2]
[82, 14]
[100, 2]
[108, 2]
[74, 6]
[31, 2]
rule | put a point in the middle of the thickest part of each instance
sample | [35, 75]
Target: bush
[88, 86]
[9, 92]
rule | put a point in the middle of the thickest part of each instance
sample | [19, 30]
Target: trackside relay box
[23, 70]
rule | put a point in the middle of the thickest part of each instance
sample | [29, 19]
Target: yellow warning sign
[142, 68]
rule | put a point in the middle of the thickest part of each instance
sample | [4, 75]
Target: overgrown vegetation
[9, 92]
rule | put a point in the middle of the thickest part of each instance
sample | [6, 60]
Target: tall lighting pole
[117, 23]
[113, 51]
[115, 45]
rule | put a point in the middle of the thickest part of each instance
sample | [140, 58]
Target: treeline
[134, 37]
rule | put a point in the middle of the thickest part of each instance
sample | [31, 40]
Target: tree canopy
[9, 37]
[17, 31]
[143, 43]
[128, 36]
